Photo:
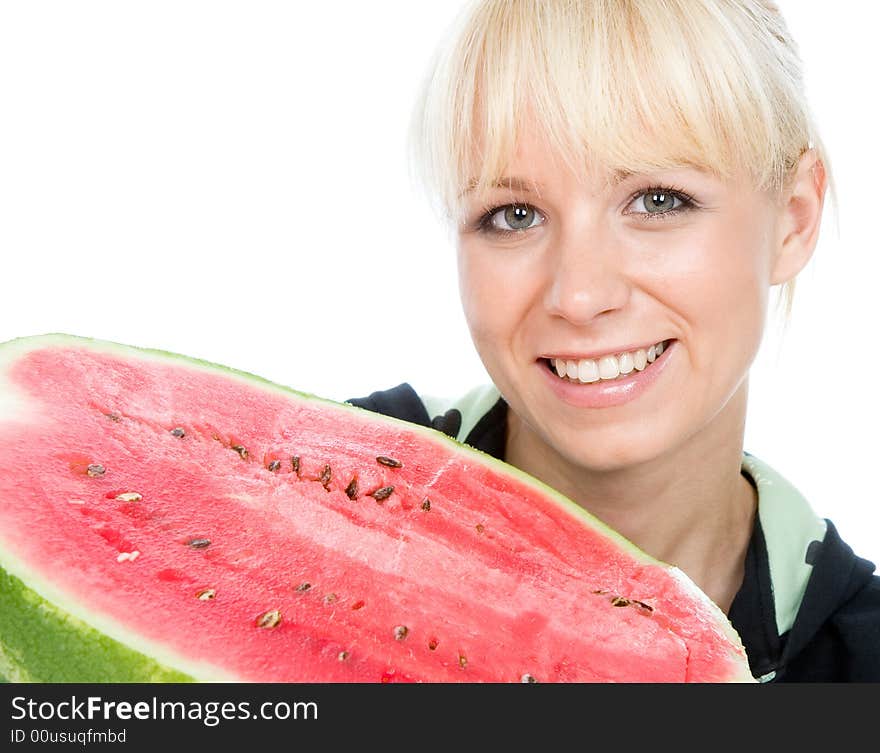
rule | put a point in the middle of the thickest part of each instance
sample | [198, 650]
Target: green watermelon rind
[27, 601]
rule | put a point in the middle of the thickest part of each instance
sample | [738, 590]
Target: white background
[229, 180]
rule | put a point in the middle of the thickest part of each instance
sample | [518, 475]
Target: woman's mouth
[609, 380]
[606, 368]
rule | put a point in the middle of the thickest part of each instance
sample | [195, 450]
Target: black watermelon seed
[269, 619]
[433, 643]
[527, 678]
[390, 462]
[95, 470]
[351, 490]
[643, 605]
[178, 432]
[303, 586]
[380, 495]
[400, 632]
[114, 417]
[274, 465]
[294, 463]
[342, 655]
[241, 450]
[426, 504]
[206, 594]
[325, 477]
[619, 601]
[198, 543]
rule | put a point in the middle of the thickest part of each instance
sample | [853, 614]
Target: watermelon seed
[241, 450]
[380, 495]
[206, 594]
[269, 619]
[351, 490]
[433, 643]
[95, 469]
[198, 543]
[178, 432]
[600, 591]
[130, 556]
[462, 661]
[129, 497]
[114, 417]
[619, 601]
[390, 462]
[527, 678]
[643, 605]
[303, 586]
[325, 477]
[274, 465]
[330, 598]
[480, 528]
[357, 605]
[426, 504]
[400, 632]
[294, 462]
[342, 656]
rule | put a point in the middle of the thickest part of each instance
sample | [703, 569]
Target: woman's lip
[607, 393]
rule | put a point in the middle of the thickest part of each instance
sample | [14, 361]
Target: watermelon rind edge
[160, 662]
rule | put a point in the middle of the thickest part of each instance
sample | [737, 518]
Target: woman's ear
[801, 216]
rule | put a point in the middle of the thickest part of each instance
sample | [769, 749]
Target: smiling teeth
[608, 367]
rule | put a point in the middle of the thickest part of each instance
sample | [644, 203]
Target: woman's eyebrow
[520, 184]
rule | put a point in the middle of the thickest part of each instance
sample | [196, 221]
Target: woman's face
[592, 269]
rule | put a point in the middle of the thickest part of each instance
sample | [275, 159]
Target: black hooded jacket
[808, 609]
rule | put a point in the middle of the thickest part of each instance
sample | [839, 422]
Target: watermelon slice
[163, 519]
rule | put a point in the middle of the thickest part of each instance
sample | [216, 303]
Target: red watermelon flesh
[165, 518]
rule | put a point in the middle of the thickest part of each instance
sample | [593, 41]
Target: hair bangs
[612, 86]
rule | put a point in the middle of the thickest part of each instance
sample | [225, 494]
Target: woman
[627, 179]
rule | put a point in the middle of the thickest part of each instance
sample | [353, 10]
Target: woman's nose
[587, 278]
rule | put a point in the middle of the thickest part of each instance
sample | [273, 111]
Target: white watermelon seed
[400, 632]
[129, 497]
[269, 619]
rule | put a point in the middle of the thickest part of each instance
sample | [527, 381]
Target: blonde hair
[627, 85]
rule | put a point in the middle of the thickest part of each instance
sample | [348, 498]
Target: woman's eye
[657, 201]
[512, 218]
